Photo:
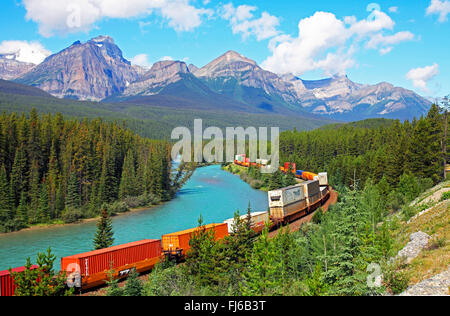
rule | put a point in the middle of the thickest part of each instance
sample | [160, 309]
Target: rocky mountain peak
[160, 75]
[10, 68]
[87, 71]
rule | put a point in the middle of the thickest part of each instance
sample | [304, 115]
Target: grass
[436, 223]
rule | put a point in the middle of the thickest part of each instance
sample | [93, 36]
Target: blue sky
[402, 42]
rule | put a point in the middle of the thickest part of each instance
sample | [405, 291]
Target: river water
[211, 192]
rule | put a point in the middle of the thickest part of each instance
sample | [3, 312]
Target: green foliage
[395, 279]
[113, 286]
[445, 196]
[134, 286]
[104, 235]
[42, 281]
[54, 169]
[354, 153]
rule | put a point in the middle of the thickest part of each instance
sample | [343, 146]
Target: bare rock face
[418, 241]
[161, 75]
[10, 68]
[246, 72]
[86, 71]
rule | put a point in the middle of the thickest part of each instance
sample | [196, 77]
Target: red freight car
[177, 244]
[91, 269]
[7, 286]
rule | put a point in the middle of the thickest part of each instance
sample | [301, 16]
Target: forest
[57, 170]
[354, 153]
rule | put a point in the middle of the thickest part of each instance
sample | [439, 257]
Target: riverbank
[60, 223]
[256, 184]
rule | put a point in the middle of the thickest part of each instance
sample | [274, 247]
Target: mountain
[10, 68]
[340, 98]
[97, 71]
[337, 97]
[86, 71]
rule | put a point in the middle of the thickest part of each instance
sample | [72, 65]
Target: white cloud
[29, 52]
[166, 58]
[69, 16]
[328, 43]
[141, 60]
[393, 9]
[386, 42]
[242, 21]
[439, 7]
[421, 76]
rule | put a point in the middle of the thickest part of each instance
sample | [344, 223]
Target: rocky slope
[96, 70]
[86, 71]
[10, 68]
[161, 75]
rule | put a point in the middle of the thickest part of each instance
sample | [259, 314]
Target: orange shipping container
[178, 243]
[94, 266]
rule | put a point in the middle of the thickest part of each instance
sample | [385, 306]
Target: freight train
[91, 269]
[243, 161]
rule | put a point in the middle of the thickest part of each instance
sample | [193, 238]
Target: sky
[403, 42]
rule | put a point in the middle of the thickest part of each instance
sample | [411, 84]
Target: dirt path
[295, 226]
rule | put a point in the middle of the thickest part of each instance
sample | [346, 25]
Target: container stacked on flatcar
[287, 204]
[90, 269]
[312, 192]
[258, 221]
[176, 245]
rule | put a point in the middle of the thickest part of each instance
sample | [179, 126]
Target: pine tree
[44, 208]
[73, 198]
[128, 184]
[22, 209]
[104, 235]
[6, 199]
[134, 286]
[19, 174]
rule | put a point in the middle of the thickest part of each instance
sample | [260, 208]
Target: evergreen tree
[104, 235]
[44, 208]
[6, 199]
[128, 184]
[73, 198]
[134, 286]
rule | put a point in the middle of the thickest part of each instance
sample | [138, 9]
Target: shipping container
[287, 201]
[94, 266]
[286, 196]
[258, 221]
[323, 179]
[177, 244]
[311, 188]
[308, 176]
[7, 286]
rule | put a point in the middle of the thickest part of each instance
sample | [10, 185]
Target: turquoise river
[211, 192]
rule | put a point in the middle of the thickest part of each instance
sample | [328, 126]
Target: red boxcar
[7, 286]
[93, 267]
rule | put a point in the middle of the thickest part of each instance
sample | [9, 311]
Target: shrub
[70, 216]
[445, 196]
[318, 216]
[117, 207]
[395, 279]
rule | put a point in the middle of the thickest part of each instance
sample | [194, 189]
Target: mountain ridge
[97, 71]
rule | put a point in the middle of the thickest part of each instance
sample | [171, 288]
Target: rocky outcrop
[161, 75]
[86, 71]
[438, 285]
[332, 96]
[418, 241]
[10, 68]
